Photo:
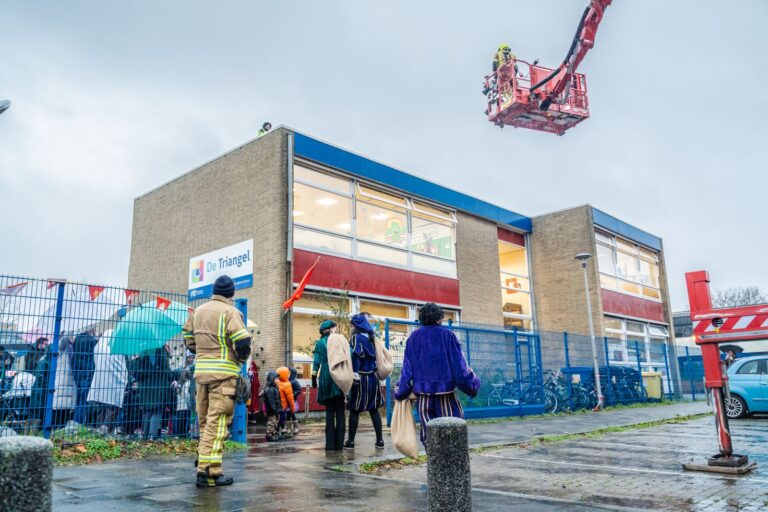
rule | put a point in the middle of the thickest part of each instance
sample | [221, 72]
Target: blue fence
[83, 360]
[526, 373]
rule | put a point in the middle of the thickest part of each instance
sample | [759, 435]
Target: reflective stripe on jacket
[211, 332]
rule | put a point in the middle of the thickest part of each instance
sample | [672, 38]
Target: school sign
[235, 261]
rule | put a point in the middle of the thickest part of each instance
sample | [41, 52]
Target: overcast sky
[111, 99]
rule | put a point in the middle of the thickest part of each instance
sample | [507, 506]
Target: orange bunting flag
[130, 296]
[14, 289]
[52, 283]
[94, 291]
[162, 303]
[300, 290]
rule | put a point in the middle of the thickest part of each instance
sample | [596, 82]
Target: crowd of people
[139, 396]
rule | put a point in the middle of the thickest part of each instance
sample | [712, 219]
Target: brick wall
[477, 261]
[236, 197]
[558, 278]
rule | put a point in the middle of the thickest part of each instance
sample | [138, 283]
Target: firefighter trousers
[215, 406]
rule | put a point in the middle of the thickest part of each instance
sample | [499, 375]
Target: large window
[627, 267]
[630, 340]
[349, 218]
[515, 286]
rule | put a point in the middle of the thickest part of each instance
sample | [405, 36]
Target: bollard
[448, 478]
[26, 473]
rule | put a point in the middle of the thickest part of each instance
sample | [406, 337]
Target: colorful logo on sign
[197, 271]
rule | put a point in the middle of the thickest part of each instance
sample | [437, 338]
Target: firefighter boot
[204, 480]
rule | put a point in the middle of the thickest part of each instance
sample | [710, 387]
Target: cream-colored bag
[404, 429]
[383, 359]
[340, 362]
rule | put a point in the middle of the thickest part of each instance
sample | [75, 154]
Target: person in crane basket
[503, 55]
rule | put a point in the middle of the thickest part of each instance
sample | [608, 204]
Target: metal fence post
[469, 348]
[389, 377]
[518, 363]
[608, 382]
[569, 378]
[51, 385]
[690, 373]
[640, 368]
[669, 377]
[240, 419]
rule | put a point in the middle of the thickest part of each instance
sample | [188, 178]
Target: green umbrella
[147, 327]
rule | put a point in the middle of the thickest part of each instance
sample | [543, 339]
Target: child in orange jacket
[286, 398]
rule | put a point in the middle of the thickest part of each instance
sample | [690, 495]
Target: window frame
[639, 253]
[367, 193]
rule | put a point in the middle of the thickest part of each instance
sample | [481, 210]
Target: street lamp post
[583, 258]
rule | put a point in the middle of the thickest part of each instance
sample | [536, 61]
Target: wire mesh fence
[547, 372]
[82, 361]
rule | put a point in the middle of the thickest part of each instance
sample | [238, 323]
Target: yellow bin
[652, 383]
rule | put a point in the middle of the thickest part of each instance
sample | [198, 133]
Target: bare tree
[738, 296]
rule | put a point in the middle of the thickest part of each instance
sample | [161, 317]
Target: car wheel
[735, 407]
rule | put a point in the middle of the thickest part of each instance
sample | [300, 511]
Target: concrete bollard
[448, 478]
[26, 474]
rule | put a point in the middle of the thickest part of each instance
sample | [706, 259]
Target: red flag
[300, 290]
[14, 289]
[94, 291]
[162, 303]
[130, 296]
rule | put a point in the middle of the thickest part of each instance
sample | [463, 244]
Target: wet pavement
[639, 469]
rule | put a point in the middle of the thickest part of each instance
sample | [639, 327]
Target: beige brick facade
[559, 281]
[477, 262]
[238, 196]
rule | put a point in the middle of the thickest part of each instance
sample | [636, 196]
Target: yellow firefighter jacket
[211, 332]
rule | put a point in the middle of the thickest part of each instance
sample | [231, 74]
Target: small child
[286, 399]
[272, 406]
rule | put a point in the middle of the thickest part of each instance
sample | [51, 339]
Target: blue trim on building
[625, 230]
[326, 154]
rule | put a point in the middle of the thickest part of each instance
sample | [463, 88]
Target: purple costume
[433, 367]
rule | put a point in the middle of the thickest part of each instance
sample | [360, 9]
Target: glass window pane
[630, 288]
[513, 259]
[612, 323]
[382, 225]
[380, 198]
[321, 302]
[605, 260]
[638, 343]
[750, 368]
[633, 326]
[433, 212]
[319, 178]
[604, 237]
[608, 282]
[651, 293]
[657, 349]
[434, 265]
[657, 330]
[626, 266]
[384, 310]
[432, 238]
[516, 302]
[649, 273]
[627, 247]
[645, 253]
[321, 209]
[382, 254]
[520, 323]
[515, 282]
[305, 332]
[313, 239]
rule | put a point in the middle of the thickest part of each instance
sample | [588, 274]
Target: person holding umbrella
[216, 334]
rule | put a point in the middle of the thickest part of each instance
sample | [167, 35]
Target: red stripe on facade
[512, 237]
[625, 305]
[361, 277]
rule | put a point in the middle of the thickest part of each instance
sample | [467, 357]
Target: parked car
[748, 380]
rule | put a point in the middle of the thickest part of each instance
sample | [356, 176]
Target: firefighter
[265, 128]
[215, 333]
[503, 55]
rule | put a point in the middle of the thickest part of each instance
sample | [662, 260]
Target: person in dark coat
[433, 367]
[82, 363]
[154, 377]
[328, 393]
[366, 388]
[272, 406]
[35, 353]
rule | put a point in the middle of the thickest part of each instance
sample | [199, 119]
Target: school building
[391, 241]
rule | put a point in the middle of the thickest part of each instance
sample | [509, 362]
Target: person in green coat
[328, 393]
